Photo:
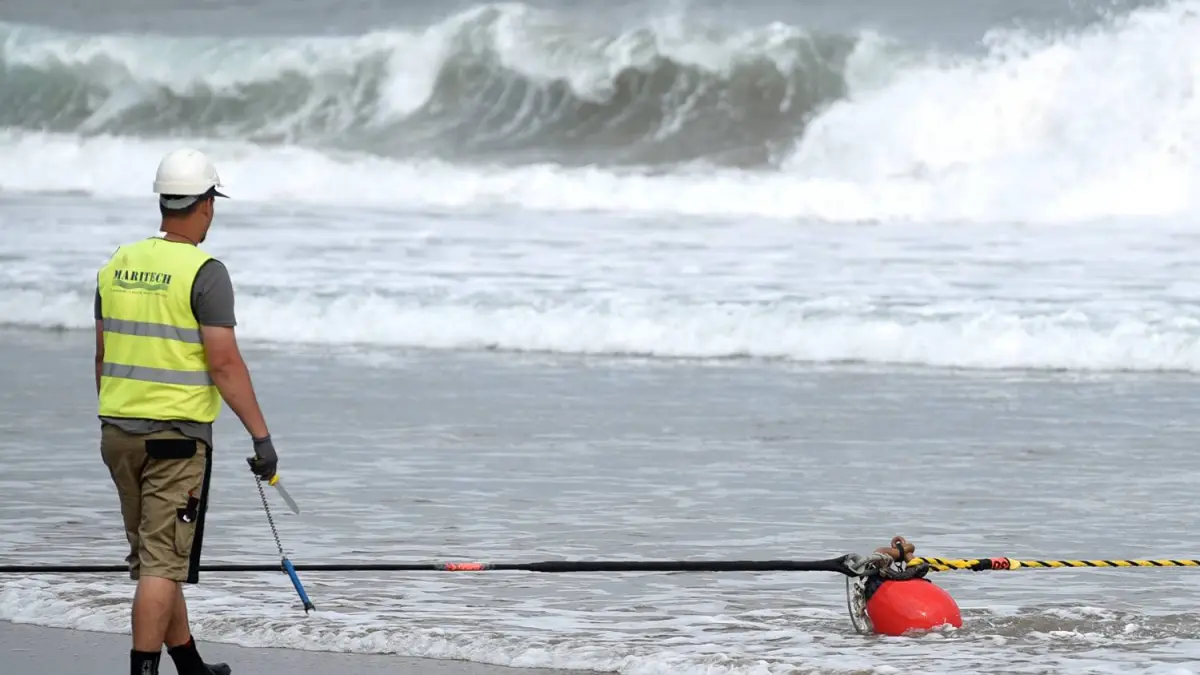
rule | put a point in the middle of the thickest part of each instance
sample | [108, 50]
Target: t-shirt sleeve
[212, 295]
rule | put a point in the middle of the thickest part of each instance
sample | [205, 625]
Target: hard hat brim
[182, 202]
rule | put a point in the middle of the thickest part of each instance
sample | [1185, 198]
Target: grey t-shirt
[212, 304]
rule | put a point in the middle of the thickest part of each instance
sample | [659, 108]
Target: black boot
[188, 662]
[143, 663]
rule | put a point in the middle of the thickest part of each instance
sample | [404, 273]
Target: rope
[1004, 564]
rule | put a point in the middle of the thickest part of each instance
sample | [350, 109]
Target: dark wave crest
[460, 89]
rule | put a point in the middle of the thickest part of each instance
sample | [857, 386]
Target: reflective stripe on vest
[154, 362]
[160, 375]
[160, 330]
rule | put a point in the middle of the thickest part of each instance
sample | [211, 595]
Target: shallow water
[475, 457]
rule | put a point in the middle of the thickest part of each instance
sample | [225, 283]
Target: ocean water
[656, 280]
[438, 456]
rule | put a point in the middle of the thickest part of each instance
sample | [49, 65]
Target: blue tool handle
[291, 571]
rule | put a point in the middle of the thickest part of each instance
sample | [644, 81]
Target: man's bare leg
[178, 632]
[153, 605]
[180, 645]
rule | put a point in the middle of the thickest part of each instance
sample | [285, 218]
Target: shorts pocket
[185, 532]
[185, 526]
[170, 448]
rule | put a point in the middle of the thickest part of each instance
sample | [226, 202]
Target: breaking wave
[505, 106]
[501, 80]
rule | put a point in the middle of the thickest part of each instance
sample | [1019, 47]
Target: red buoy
[911, 605]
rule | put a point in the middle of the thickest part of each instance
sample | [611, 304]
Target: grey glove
[264, 462]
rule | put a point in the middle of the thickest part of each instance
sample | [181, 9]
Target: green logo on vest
[133, 280]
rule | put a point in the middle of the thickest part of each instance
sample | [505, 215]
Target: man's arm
[99, 339]
[212, 299]
[232, 377]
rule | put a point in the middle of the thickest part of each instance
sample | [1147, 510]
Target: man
[166, 357]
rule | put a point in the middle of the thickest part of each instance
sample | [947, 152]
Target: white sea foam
[971, 337]
[755, 643]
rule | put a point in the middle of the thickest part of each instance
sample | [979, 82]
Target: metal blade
[284, 493]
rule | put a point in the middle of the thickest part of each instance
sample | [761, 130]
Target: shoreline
[33, 648]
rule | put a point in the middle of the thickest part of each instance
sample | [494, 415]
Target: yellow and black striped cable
[1000, 564]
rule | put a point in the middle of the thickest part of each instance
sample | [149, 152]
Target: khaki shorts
[162, 480]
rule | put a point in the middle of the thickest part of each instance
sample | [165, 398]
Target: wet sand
[56, 651]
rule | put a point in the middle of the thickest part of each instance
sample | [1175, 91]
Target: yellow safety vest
[154, 365]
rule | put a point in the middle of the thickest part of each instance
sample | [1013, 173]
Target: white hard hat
[186, 175]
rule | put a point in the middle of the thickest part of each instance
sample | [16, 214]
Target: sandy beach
[57, 651]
